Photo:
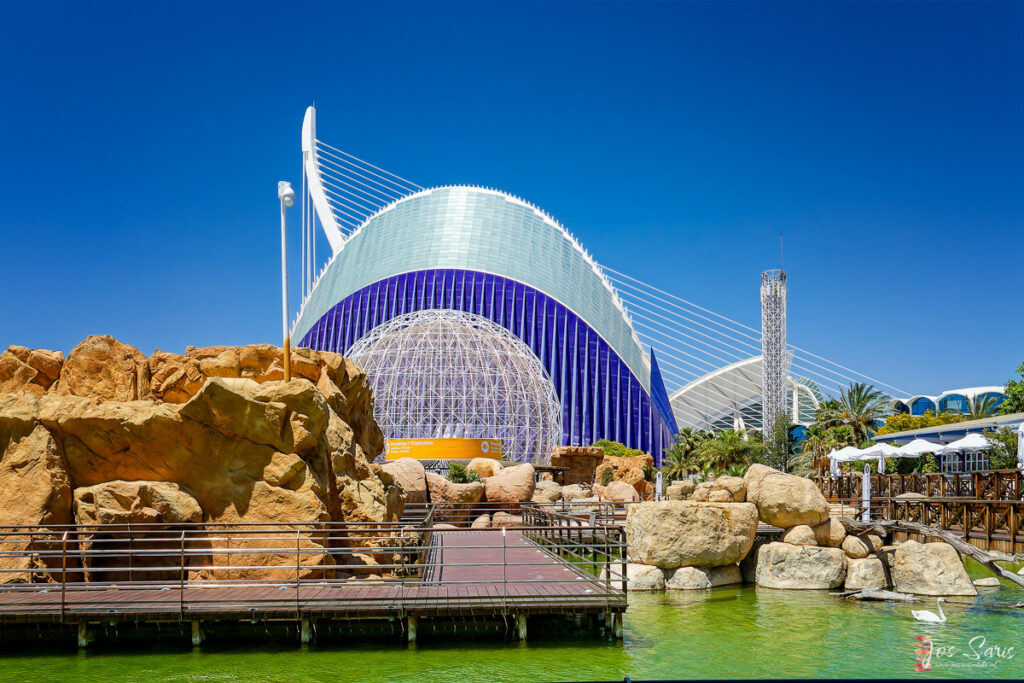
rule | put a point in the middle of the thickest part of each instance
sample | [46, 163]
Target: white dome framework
[442, 373]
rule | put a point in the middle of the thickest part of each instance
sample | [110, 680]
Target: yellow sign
[442, 449]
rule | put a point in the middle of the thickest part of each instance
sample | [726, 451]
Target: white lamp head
[285, 192]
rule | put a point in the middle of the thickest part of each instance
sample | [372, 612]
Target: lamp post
[287, 196]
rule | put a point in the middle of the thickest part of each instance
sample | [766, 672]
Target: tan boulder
[482, 522]
[103, 367]
[830, 534]
[411, 476]
[697, 578]
[484, 467]
[680, 490]
[639, 577]
[672, 534]
[795, 567]
[504, 519]
[453, 502]
[785, 500]
[855, 547]
[720, 496]
[736, 487]
[511, 485]
[873, 541]
[987, 582]
[864, 573]
[581, 461]
[32, 370]
[619, 492]
[930, 569]
[799, 535]
[547, 492]
[574, 492]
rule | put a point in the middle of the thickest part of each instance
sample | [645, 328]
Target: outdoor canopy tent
[879, 452]
[918, 447]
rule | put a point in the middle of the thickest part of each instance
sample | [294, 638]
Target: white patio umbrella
[845, 454]
[880, 451]
[917, 448]
[972, 443]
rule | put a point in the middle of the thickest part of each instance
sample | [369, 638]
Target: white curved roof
[723, 396]
[483, 230]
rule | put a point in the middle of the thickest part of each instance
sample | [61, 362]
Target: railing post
[297, 563]
[181, 586]
[63, 574]
[504, 568]
[865, 495]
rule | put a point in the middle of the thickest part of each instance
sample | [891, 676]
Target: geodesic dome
[442, 373]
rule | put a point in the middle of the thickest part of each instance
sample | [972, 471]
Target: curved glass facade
[494, 256]
[921, 405]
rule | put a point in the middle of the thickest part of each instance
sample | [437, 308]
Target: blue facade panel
[600, 396]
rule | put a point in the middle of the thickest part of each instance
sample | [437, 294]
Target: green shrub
[1003, 454]
[607, 474]
[929, 464]
[648, 471]
[458, 474]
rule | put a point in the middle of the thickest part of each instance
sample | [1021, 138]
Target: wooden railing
[989, 524]
[1005, 485]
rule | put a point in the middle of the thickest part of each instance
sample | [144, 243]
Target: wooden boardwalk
[473, 573]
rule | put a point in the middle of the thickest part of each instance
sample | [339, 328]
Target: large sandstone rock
[855, 547]
[799, 535]
[868, 572]
[103, 367]
[930, 569]
[723, 489]
[453, 502]
[32, 370]
[547, 492]
[581, 461]
[503, 519]
[511, 485]
[781, 565]
[484, 467]
[411, 476]
[680, 490]
[619, 492]
[785, 500]
[830, 534]
[672, 534]
[696, 578]
[574, 492]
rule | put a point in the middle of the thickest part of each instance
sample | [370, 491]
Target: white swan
[925, 615]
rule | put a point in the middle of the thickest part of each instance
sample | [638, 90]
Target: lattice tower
[773, 347]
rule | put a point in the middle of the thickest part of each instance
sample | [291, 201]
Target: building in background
[952, 401]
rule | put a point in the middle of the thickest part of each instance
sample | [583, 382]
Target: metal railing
[987, 522]
[294, 568]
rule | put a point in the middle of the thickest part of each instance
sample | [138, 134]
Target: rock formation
[782, 565]
[929, 569]
[672, 534]
[511, 484]
[785, 500]
[581, 461]
[213, 436]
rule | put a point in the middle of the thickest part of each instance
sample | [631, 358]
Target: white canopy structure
[972, 443]
[917, 448]
[879, 452]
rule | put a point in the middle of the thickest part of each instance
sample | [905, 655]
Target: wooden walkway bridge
[221, 575]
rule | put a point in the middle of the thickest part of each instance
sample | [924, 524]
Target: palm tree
[981, 406]
[676, 464]
[860, 407]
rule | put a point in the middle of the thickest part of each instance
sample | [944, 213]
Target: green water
[724, 633]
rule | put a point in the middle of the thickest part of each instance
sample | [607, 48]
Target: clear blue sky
[141, 143]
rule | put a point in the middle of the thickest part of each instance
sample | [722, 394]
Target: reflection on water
[723, 633]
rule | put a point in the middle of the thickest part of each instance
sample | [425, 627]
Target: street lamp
[287, 196]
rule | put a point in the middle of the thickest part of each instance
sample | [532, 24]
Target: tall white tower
[775, 360]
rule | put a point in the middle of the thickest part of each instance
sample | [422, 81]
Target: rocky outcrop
[721, 490]
[484, 467]
[453, 502]
[929, 569]
[504, 519]
[855, 547]
[575, 492]
[672, 534]
[785, 500]
[697, 578]
[411, 476]
[639, 577]
[581, 461]
[31, 370]
[215, 425]
[868, 572]
[628, 469]
[482, 522]
[511, 485]
[781, 565]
